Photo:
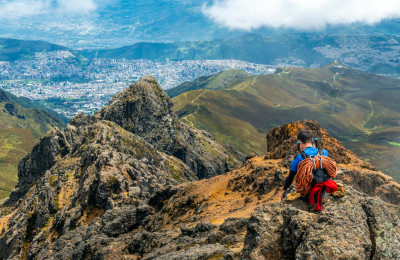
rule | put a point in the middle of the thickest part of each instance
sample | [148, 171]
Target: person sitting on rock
[318, 167]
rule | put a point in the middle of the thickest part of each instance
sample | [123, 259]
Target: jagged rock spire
[145, 109]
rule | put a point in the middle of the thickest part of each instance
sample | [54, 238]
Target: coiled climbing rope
[304, 175]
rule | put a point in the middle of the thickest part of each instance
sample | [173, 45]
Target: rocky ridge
[104, 170]
[146, 110]
[244, 214]
[107, 188]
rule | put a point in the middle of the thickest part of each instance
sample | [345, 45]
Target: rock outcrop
[281, 143]
[146, 110]
[110, 186]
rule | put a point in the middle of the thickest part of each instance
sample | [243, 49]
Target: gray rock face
[41, 159]
[96, 192]
[146, 110]
[353, 227]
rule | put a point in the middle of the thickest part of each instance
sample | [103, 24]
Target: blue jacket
[308, 151]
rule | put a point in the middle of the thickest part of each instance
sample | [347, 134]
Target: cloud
[25, 8]
[78, 6]
[18, 9]
[299, 14]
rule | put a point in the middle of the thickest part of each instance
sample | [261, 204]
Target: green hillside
[13, 49]
[252, 47]
[358, 108]
[216, 81]
[22, 123]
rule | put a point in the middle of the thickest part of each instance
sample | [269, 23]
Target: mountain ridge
[216, 81]
[94, 157]
[306, 50]
[146, 110]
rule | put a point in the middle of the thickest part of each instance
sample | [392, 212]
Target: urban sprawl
[89, 85]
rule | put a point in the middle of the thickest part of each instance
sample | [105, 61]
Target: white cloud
[19, 9]
[78, 6]
[24, 8]
[300, 14]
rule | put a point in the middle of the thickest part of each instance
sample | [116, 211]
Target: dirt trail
[197, 109]
[363, 126]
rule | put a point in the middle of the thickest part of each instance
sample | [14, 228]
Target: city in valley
[70, 85]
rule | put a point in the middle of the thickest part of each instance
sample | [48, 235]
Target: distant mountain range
[360, 109]
[12, 49]
[377, 54]
[372, 53]
[22, 123]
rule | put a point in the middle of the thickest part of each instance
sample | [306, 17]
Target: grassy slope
[216, 81]
[358, 108]
[21, 124]
[14, 145]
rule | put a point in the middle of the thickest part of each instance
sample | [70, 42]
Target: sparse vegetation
[52, 180]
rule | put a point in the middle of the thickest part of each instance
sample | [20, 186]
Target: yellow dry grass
[221, 202]
[64, 197]
[4, 221]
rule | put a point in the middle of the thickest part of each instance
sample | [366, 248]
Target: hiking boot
[311, 208]
[292, 195]
[340, 192]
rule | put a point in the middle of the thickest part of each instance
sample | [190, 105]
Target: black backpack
[321, 174]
